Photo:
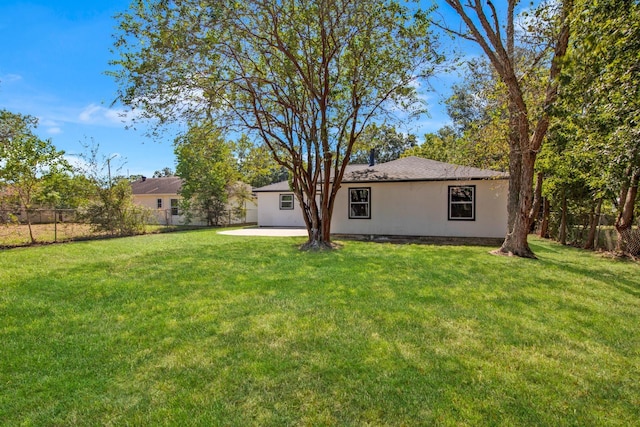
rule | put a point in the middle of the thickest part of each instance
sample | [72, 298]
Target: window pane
[359, 203]
[360, 195]
[461, 194]
[286, 201]
[360, 210]
[461, 210]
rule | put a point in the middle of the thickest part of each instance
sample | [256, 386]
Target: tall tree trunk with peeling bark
[497, 40]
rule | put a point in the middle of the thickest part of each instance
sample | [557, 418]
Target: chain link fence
[60, 225]
[578, 226]
[47, 226]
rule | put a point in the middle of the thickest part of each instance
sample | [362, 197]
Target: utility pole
[109, 167]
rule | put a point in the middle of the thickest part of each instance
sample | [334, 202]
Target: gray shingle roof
[165, 185]
[419, 169]
[284, 185]
[405, 169]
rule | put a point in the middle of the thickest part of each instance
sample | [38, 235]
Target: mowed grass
[197, 328]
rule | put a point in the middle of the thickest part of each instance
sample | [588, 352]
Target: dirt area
[18, 235]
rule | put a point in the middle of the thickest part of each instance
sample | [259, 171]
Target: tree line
[35, 175]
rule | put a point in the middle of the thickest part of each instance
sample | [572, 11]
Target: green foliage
[109, 206]
[602, 89]
[112, 210]
[13, 125]
[441, 146]
[202, 329]
[385, 140]
[26, 161]
[64, 191]
[595, 144]
[166, 171]
[206, 165]
[256, 165]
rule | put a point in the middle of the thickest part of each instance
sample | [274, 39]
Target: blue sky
[52, 65]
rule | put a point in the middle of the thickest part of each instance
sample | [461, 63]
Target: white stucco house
[410, 196]
[161, 196]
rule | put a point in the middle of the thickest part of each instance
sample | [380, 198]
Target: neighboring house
[410, 196]
[161, 196]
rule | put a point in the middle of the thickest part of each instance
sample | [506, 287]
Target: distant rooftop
[165, 185]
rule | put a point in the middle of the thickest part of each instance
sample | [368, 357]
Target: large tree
[206, 166]
[528, 124]
[305, 77]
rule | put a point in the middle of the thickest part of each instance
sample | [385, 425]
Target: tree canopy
[206, 166]
[600, 109]
[305, 78]
[386, 142]
[25, 160]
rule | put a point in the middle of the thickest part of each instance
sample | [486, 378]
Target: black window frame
[159, 203]
[292, 201]
[367, 203]
[450, 202]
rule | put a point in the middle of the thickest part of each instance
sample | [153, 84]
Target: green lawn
[196, 328]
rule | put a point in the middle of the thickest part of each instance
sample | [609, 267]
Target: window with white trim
[360, 203]
[286, 202]
[159, 203]
[462, 202]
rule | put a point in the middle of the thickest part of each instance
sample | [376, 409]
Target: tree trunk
[317, 220]
[563, 220]
[33, 240]
[520, 203]
[546, 212]
[594, 220]
[537, 202]
[523, 145]
[624, 221]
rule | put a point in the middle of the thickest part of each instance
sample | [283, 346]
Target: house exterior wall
[419, 208]
[163, 215]
[270, 214]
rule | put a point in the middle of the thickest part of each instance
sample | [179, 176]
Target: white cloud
[51, 127]
[54, 130]
[99, 115]
[10, 78]
[77, 162]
